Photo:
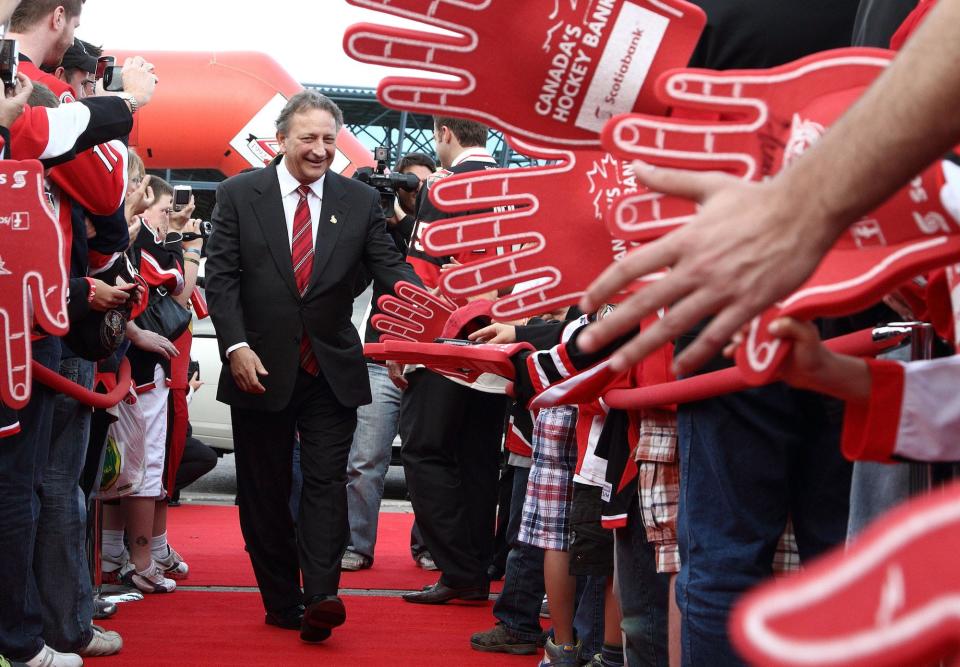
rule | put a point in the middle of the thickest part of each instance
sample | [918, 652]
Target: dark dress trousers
[253, 298]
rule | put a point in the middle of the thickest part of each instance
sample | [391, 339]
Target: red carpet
[208, 537]
[202, 628]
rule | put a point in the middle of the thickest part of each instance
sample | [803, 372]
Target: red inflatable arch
[217, 111]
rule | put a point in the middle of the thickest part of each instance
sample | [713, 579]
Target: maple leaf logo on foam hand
[609, 181]
[803, 135]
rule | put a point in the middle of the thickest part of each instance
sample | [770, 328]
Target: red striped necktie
[301, 253]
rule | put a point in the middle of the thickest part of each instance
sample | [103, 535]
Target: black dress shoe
[322, 614]
[288, 619]
[103, 609]
[440, 593]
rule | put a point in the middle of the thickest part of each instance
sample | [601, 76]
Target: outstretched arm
[753, 243]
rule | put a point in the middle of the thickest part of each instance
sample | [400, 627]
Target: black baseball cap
[80, 55]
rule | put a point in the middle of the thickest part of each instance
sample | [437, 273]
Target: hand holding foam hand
[544, 228]
[413, 314]
[750, 123]
[580, 66]
[33, 275]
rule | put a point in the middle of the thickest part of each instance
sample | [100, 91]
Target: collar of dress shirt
[289, 185]
[474, 153]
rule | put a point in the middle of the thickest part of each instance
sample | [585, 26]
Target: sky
[304, 36]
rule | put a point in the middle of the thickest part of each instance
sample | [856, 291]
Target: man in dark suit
[282, 263]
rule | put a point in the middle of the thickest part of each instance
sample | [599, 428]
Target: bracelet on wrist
[195, 251]
[191, 260]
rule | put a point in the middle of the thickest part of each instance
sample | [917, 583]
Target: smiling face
[310, 144]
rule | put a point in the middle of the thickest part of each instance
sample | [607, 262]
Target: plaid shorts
[545, 521]
[659, 485]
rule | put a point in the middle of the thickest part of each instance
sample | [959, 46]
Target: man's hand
[12, 107]
[107, 297]
[496, 333]
[395, 373]
[139, 79]
[247, 370]
[179, 219]
[731, 270]
[151, 341]
[192, 226]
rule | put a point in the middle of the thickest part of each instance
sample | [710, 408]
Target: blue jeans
[644, 594]
[588, 621]
[60, 560]
[518, 606]
[23, 458]
[377, 425]
[747, 462]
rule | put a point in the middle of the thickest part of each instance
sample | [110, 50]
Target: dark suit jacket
[252, 294]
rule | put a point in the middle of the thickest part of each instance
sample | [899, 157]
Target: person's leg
[820, 478]
[263, 449]
[296, 483]
[431, 418]
[501, 539]
[643, 594]
[673, 626]
[479, 469]
[612, 651]
[198, 459]
[561, 591]
[734, 496]
[326, 431]
[518, 606]
[377, 426]
[139, 528]
[60, 557]
[23, 457]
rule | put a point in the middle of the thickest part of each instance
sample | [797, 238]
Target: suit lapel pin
[333, 219]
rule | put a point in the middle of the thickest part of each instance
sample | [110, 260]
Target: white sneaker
[103, 642]
[114, 569]
[151, 580]
[47, 657]
[173, 565]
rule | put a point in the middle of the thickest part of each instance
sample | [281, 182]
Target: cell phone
[113, 79]
[193, 367]
[455, 341]
[9, 57]
[181, 196]
[103, 62]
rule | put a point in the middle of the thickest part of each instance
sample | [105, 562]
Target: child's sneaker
[151, 580]
[47, 657]
[173, 565]
[564, 654]
[115, 569]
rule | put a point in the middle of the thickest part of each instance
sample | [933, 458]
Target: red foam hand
[751, 123]
[544, 229]
[464, 363]
[33, 276]
[889, 599]
[916, 230]
[551, 72]
[413, 314]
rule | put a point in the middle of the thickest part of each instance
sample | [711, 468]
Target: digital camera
[386, 184]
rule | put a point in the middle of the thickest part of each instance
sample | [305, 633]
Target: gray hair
[303, 101]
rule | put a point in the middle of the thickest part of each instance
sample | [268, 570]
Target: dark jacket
[252, 293]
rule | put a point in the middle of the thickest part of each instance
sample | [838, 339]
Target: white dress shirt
[291, 198]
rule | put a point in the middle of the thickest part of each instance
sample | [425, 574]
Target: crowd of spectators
[126, 249]
[634, 532]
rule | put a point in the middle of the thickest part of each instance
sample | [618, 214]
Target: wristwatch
[132, 101]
